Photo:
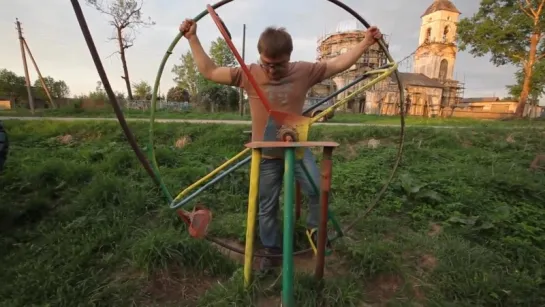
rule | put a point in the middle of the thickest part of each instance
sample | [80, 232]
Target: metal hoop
[152, 168]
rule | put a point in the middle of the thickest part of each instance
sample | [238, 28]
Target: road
[178, 120]
[242, 122]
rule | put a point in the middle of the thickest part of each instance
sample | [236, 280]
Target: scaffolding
[334, 44]
[424, 96]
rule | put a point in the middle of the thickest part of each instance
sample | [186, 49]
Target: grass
[81, 223]
[340, 117]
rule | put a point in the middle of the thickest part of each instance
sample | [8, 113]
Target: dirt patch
[418, 292]
[65, 139]
[510, 139]
[183, 141]
[373, 143]
[383, 288]
[269, 302]
[466, 143]
[352, 149]
[435, 229]
[175, 285]
[304, 263]
[538, 163]
[427, 262]
[390, 237]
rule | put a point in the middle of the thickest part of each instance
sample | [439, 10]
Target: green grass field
[340, 117]
[82, 224]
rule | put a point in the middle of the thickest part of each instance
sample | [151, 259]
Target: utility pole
[40, 76]
[27, 78]
[241, 91]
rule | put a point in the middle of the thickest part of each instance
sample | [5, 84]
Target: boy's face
[275, 68]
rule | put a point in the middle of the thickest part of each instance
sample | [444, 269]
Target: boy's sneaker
[267, 264]
[312, 235]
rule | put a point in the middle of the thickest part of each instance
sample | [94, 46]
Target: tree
[215, 97]
[186, 74]
[99, 93]
[178, 94]
[537, 83]
[120, 96]
[512, 32]
[221, 54]
[126, 18]
[142, 90]
[12, 86]
[57, 89]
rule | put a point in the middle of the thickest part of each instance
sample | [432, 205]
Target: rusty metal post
[325, 185]
[297, 200]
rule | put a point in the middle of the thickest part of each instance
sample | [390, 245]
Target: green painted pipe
[289, 225]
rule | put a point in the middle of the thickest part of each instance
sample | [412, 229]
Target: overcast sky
[57, 44]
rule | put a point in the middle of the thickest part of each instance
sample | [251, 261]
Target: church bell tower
[436, 53]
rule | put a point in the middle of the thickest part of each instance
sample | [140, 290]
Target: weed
[83, 225]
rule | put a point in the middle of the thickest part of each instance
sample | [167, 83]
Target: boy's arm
[342, 62]
[206, 66]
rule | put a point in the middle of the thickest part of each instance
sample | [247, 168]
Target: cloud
[60, 50]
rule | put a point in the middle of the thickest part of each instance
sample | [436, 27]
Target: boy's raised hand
[189, 28]
[372, 35]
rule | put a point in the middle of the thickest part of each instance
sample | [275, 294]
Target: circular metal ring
[152, 167]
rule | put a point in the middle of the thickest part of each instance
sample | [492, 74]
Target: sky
[55, 39]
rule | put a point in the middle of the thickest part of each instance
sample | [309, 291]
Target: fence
[145, 105]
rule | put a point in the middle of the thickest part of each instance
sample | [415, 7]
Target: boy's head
[275, 46]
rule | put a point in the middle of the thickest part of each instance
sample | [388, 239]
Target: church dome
[441, 5]
[349, 26]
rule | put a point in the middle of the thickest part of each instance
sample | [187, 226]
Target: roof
[441, 5]
[480, 99]
[414, 79]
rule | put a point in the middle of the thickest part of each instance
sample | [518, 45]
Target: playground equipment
[285, 132]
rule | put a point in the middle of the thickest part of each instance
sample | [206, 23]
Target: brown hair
[275, 42]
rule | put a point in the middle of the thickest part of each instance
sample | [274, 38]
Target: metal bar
[297, 200]
[325, 187]
[289, 198]
[208, 176]
[382, 76]
[342, 89]
[253, 198]
[330, 215]
[211, 182]
[111, 95]
[241, 90]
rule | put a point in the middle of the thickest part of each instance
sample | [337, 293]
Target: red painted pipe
[325, 186]
[226, 37]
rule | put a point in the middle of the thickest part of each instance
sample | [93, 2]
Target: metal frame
[151, 167]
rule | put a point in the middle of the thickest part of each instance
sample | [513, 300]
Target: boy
[286, 84]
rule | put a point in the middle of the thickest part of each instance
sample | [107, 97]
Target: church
[430, 90]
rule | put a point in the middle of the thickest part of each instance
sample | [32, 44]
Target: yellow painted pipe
[384, 73]
[253, 198]
[211, 174]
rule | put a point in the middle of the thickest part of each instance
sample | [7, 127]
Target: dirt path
[245, 122]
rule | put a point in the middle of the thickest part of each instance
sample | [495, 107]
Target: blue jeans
[270, 185]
